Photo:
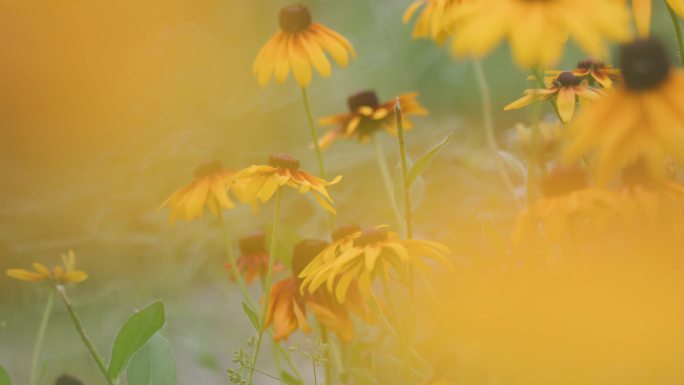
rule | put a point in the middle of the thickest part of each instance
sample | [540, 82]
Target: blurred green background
[107, 107]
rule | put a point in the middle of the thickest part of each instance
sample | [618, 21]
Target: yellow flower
[208, 189]
[642, 10]
[430, 22]
[370, 253]
[253, 260]
[260, 182]
[550, 135]
[298, 45]
[66, 273]
[287, 306]
[537, 30]
[596, 70]
[641, 121]
[366, 116]
[566, 89]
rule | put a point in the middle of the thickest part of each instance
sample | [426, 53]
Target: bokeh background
[107, 107]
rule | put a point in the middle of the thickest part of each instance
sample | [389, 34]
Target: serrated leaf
[4, 377]
[154, 364]
[253, 318]
[289, 379]
[134, 334]
[424, 160]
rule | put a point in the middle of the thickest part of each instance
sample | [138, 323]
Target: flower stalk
[386, 179]
[233, 262]
[678, 33]
[38, 347]
[78, 324]
[404, 170]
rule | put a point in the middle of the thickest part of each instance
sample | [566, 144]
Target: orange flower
[367, 115]
[253, 260]
[66, 273]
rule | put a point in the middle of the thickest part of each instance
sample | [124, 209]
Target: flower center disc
[284, 161]
[345, 231]
[207, 168]
[369, 236]
[304, 253]
[363, 99]
[568, 79]
[645, 64]
[253, 244]
[295, 18]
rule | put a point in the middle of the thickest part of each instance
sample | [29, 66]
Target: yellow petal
[24, 275]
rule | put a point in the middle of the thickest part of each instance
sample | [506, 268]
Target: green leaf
[289, 379]
[252, 316]
[154, 364]
[424, 161]
[134, 335]
[4, 377]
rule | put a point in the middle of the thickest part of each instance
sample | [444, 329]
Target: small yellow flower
[367, 254]
[66, 273]
[208, 189]
[595, 71]
[537, 30]
[260, 182]
[565, 89]
[430, 21]
[366, 116]
[298, 45]
[642, 120]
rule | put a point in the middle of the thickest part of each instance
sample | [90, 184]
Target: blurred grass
[106, 109]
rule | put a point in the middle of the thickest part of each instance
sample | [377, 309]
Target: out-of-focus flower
[565, 89]
[253, 260]
[642, 120]
[260, 182]
[537, 30]
[642, 10]
[594, 70]
[430, 21]
[66, 273]
[342, 239]
[550, 135]
[287, 307]
[372, 252]
[208, 189]
[367, 115]
[298, 45]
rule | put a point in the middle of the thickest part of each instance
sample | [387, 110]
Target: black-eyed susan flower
[253, 260]
[537, 30]
[566, 89]
[430, 19]
[65, 273]
[367, 115]
[207, 190]
[373, 252]
[287, 307]
[596, 71]
[260, 182]
[299, 45]
[641, 120]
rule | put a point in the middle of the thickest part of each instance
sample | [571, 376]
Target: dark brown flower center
[363, 99]
[284, 161]
[369, 236]
[568, 79]
[295, 18]
[645, 64]
[253, 244]
[590, 63]
[563, 181]
[66, 379]
[345, 231]
[304, 252]
[207, 168]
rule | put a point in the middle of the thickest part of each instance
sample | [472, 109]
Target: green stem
[84, 336]
[535, 161]
[404, 170]
[678, 33]
[540, 79]
[386, 179]
[289, 361]
[41, 336]
[488, 122]
[268, 284]
[233, 262]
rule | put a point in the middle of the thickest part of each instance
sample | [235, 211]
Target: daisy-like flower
[595, 71]
[642, 10]
[287, 307]
[260, 182]
[430, 21]
[566, 89]
[65, 273]
[253, 260]
[208, 189]
[642, 120]
[537, 30]
[342, 239]
[367, 115]
[298, 45]
[373, 252]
